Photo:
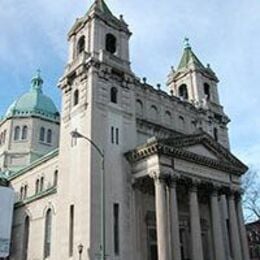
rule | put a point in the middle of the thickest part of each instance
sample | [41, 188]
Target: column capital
[234, 193]
[158, 176]
[194, 185]
[240, 193]
[173, 180]
[231, 192]
[216, 189]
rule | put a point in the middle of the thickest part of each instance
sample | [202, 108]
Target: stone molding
[210, 188]
[174, 147]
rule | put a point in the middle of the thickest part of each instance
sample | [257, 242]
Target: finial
[187, 43]
[37, 81]
[38, 71]
[144, 80]
[159, 86]
[121, 17]
[208, 66]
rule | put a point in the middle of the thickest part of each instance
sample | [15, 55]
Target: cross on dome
[37, 81]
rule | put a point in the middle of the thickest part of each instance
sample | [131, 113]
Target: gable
[197, 148]
[200, 149]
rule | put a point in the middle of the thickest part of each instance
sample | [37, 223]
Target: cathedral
[126, 170]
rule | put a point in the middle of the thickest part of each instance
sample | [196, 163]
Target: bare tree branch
[251, 198]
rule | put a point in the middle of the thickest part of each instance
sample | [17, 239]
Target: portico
[185, 192]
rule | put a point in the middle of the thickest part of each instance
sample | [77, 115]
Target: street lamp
[80, 250]
[76, 134]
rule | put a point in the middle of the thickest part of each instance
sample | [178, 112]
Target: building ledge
[35, 197]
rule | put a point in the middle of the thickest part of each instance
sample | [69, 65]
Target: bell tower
[192, 81]
[197, 84]
[100, 35]
[95, 103]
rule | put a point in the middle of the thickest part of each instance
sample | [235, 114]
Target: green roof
[189, 58]
[34, 103]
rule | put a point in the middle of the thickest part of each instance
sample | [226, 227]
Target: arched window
[76, 97]
[207, 91]
[194, 125]
[42, 134]
[37, 186]
[139, 107]
[154, 112]
[41, 183]
[47, 236]
[110, 43]
[113, 95]
[24, 132]
[55, 182]
[25, 192]
[2, 137]
[21, 193]
[17, 131]
[183, 91]
[81, 45]
[168, 117]
[215, 132]
[26, 234]
[181, 122]
[49, 136]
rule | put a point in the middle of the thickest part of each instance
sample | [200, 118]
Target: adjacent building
[253, 234]
[171, 187]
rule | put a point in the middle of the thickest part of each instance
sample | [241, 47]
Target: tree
[251, 198]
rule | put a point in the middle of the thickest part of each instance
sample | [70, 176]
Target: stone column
[175, 229]
[196, 240]
[161, 219]
[234, 232]
[224, 210]
[169, 218]
[216, 227]
[242, 229]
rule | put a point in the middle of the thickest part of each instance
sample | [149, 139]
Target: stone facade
[172, 187]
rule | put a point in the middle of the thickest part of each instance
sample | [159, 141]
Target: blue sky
[225, 34]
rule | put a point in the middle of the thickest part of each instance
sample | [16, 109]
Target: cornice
[36, 163]
[174, 147]
[50, 191]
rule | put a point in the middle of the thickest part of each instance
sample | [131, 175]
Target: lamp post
[80, 249]
[102, 249]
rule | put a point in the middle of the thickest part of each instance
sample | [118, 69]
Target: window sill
[44, 143]
[21, 141]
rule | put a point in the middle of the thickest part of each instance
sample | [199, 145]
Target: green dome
[34, 103]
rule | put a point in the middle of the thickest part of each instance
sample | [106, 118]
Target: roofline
[155, 146]
[253, 223]
[34, 164]
[5, 119]
[35, 197]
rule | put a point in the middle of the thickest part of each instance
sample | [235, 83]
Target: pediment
[197, 148]
[204, 147]
[201, 150]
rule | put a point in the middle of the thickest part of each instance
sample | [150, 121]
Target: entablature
[180, 156]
